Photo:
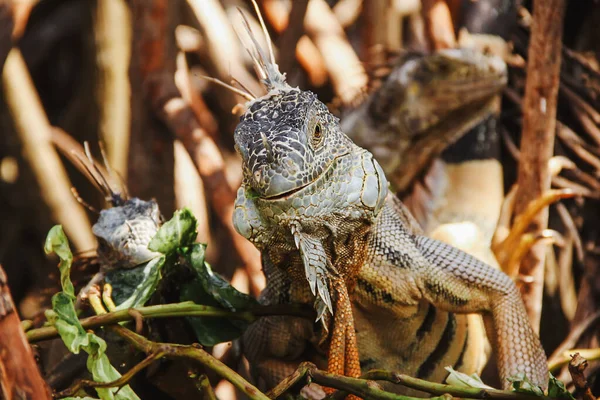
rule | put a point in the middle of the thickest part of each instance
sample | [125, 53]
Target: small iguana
[330, 233]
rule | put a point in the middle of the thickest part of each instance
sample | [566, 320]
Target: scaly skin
[317, 207]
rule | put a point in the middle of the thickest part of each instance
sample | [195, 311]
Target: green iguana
[332, 234]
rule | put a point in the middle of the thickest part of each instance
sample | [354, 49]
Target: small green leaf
[209, 331]
[218, 288]
[56, 242]
[522, 384]
[179, 231]
[64, 318]
[133, 287]
[461, 379]
[557, 389]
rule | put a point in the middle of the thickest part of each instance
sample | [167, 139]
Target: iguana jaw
[288, 194]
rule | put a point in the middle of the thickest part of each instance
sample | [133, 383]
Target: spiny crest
[266, 68]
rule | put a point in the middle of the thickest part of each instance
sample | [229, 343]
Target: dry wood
[438, 23]
[346, 71]
[194, 98]
[20, 377]
[577, 367]
[113, 44]
[537, 143]
[34, 131]
[157, 74]
[347, 74]
[307, 53]
[6, 29]
[223, 47]
[292, 34]
[189, 191]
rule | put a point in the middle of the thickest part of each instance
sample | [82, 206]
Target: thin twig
[185, 309]
[34, 129]
[122, 381]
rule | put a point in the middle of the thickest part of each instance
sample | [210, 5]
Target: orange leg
[343, 350]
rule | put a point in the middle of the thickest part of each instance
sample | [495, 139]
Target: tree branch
[537, 143]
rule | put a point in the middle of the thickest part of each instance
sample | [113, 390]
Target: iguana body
[318, 208]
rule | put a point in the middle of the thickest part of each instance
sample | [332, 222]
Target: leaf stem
[184, 309]
[122, 381]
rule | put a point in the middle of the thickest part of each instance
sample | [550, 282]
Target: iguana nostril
[258, 176]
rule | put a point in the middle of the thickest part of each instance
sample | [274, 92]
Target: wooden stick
[537, 143]
[34, 131]
[6, 29]
[166, 101]
[20, 377]
[438, 23]
[113, 40]
[307, 53]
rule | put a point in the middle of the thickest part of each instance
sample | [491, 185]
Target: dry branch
[20, 377]
[438, 23]
[537, 144]
[347, 74]
[577, 367]
[34, 131]
[6, 28]
[159, 86]
[113, 41]
[306, 52]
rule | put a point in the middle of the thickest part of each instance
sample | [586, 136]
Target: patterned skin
[318, 208]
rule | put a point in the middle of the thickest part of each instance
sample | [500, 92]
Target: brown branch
[20, 377]
[306, 52]
[166, 101]
[193, 352]
[347, 74]
[439, 26]
[120, 382]
[537, 144]
[6, 28]
[577, 367]
[292, 34]
[113, 40]
[34, 130]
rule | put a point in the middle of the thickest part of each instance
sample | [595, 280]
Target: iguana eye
[317, 136]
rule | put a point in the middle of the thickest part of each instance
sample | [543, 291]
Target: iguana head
[124, 232]
[422, 91]
[287, 138]
[125, 229]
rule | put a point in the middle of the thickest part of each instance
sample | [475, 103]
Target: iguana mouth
[285, 195]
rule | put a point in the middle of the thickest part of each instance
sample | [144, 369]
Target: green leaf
[179, 231]
[522, 384]
[214, 285]
[64, 318]
[56, 242]
[211, 289]
[133, 287]
[557, 389]
[461, 379]
[209, 331]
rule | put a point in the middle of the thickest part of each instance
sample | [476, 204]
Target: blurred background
[129, 74]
